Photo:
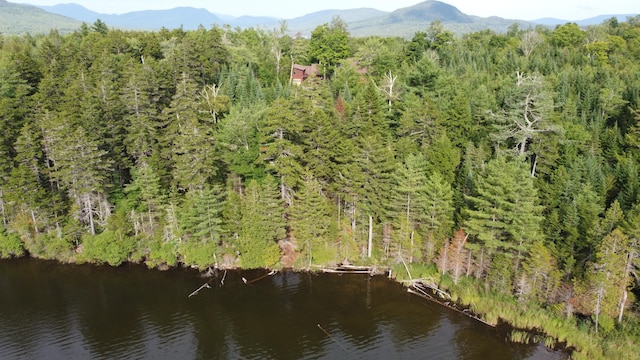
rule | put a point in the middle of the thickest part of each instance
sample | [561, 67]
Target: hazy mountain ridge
[361, 22]
[19, 19]
[549, 21]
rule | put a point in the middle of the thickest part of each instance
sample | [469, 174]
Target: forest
[503, 166]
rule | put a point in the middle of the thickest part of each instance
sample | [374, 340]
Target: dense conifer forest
[504, 167]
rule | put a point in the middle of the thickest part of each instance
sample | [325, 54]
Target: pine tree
[189, 144]
[238, 140]
[140, 97]
[505, 213]
[262, 225]
[311, 224]
[539, 277]
[443, 157]
[438, 208]
[80, 167]
[200, 220]
[147, 193]
[608, 278]
[320, 140]
[408, 204]
[281, 149]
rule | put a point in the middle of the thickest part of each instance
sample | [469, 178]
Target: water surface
[53, 311]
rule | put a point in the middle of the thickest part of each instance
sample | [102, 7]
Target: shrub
[10, 245]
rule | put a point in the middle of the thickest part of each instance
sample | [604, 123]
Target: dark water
[52, 311]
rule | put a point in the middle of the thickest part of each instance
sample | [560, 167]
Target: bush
[50, 246]
[109, 247]
[10, 245]
[198, 253]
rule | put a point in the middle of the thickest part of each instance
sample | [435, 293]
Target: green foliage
[329, 43]
[311, 224]
[261, 226]
[505, 211]
[190, 147]
[10, 245]
[108, 247]
[21, 19]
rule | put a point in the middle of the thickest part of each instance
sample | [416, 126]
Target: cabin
[300, 73]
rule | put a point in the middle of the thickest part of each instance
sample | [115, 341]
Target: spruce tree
[311, 223]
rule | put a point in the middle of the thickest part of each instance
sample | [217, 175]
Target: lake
[54, 311]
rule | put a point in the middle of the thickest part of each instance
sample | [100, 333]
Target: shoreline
[456, 302]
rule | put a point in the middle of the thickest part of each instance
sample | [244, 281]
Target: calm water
[51, 311]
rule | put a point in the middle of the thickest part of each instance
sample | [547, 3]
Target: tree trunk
[89, 208]
[623, 303]
[339, 213]
[4, 217]
[370, 236]
[291, 72]
[445, 253]
[597, 309]
[35, 222]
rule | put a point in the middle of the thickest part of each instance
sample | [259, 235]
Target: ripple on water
[133, 313]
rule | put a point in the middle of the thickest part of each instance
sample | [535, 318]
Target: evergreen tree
[311, 224]
[438, 208]
[200, 219]
[262, 225]
[147, 193]
[505, 213]
[408, 202]
[80, 167]
[189, 143]
[281, 143]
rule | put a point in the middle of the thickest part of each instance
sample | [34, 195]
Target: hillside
[407, 21]
[585, 22]
[403, 22]
[20, 19]
[306, 23]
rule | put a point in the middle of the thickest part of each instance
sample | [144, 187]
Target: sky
[510, 9]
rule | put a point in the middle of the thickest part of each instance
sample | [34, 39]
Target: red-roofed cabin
[302, 72]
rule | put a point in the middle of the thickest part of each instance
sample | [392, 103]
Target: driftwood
[205, 285]
[351, 269]
[423, 294]
[343, 271]
[272, 272]
[331, 337]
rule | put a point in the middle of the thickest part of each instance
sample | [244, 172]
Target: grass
[533, 323]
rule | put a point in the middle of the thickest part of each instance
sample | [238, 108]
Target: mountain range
[402, 22]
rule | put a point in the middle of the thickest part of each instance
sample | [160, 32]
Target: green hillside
[407, 21]
[21, 19]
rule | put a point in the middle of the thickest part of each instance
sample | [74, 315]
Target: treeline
[511, 158]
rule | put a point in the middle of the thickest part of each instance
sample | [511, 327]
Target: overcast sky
[511, 9]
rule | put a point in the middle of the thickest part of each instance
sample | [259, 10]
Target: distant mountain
[305, 24]
[586, 22]
[429, 11]
[74, 11]
[407, 21]
[19, 19]
[187, 17]
[402, 22]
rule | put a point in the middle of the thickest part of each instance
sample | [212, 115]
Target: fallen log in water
[343, 271]
[272, 272]
[205, 285]
[425, 295]
[353, 269]
[331, 337]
